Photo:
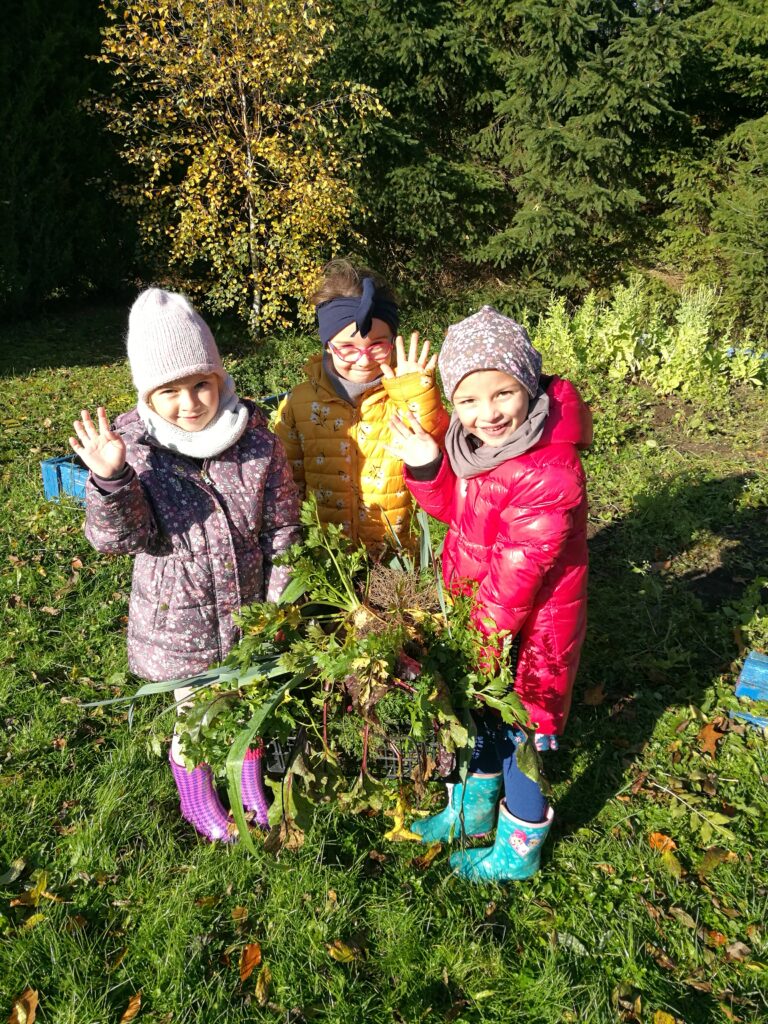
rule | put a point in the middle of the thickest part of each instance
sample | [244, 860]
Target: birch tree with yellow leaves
[239, 183]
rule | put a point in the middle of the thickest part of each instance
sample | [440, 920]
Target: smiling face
[491, 405]
[359, 359]
[189, 403]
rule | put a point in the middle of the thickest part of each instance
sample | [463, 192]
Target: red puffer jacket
[519, 531]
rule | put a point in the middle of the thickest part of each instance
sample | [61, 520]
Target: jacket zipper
[206, 479]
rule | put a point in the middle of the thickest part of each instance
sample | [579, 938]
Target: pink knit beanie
[168, 340]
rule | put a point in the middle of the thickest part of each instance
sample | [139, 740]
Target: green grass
[116, 895]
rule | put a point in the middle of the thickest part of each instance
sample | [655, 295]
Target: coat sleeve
[287, 432]
[435, 496]
[280, 521]
[534, 528]
[122, 522]
[418, 393]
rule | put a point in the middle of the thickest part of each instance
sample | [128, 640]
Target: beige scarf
[226, 427]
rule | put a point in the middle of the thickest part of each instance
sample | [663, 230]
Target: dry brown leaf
[239, 913]
[341, 952]
[660, 957]
[700, 986]
[708, 738]
[712, 858]
[714, 938]
[594, 695]
[250, 958]
[263, 982]
[737, 951]
[50, 611]
[661, 842]
[422, 863]
[133, 1007]
[683, 917]
[607, 869]
[638, 784]
[24, 1008]
[653, 912]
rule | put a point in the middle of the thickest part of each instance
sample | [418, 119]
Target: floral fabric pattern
[204, 536]
[337, 451]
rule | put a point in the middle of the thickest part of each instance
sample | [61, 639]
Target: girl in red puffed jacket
[510, 484]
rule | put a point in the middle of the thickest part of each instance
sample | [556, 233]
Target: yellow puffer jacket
[336, 451]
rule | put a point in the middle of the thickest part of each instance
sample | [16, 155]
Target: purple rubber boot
[252, 785]
[200, 803]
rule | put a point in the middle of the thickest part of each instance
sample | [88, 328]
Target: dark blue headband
[336, 314]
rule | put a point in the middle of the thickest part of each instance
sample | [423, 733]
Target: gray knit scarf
[470, 457]
[226, 427]
[350, 391]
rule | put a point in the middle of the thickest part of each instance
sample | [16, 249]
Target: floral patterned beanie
[488, 340]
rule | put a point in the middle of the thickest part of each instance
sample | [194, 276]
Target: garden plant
[650, 905]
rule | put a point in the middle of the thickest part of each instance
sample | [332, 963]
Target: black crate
[382, 765]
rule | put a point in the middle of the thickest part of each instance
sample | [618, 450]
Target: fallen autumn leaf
[24, 1008]
[133, 1007]
[341, 952]
[263, 982]
[250, 958]
[661, 842]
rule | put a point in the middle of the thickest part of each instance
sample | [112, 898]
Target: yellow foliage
[239, 171]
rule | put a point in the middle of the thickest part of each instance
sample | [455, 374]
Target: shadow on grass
[92, 334]
[658, 631]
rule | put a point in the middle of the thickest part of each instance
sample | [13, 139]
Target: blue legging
[495, 751]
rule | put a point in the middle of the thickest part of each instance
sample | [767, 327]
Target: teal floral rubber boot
[474, 801]
[516, 854]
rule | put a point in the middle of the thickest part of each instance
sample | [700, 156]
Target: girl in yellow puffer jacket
[335, 424]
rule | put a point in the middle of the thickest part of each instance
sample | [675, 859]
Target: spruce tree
[425, 201]
[586, 101]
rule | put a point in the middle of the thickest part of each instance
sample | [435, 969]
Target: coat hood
[570, 418]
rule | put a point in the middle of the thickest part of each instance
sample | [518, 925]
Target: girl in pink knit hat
[194, 486]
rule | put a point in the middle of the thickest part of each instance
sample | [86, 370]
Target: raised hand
[102, 450]
[410, 442]
[417, 361]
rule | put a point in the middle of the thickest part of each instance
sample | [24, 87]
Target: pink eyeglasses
[351, 354]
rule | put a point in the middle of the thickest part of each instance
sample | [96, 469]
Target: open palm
[415, 362]
[411, 443]
[101, 449]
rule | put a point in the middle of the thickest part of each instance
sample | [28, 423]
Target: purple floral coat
[204, 535]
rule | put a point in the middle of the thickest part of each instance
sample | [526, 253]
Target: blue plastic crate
[73, 479]
[753, 678]
[752, 684]
[64, 474]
